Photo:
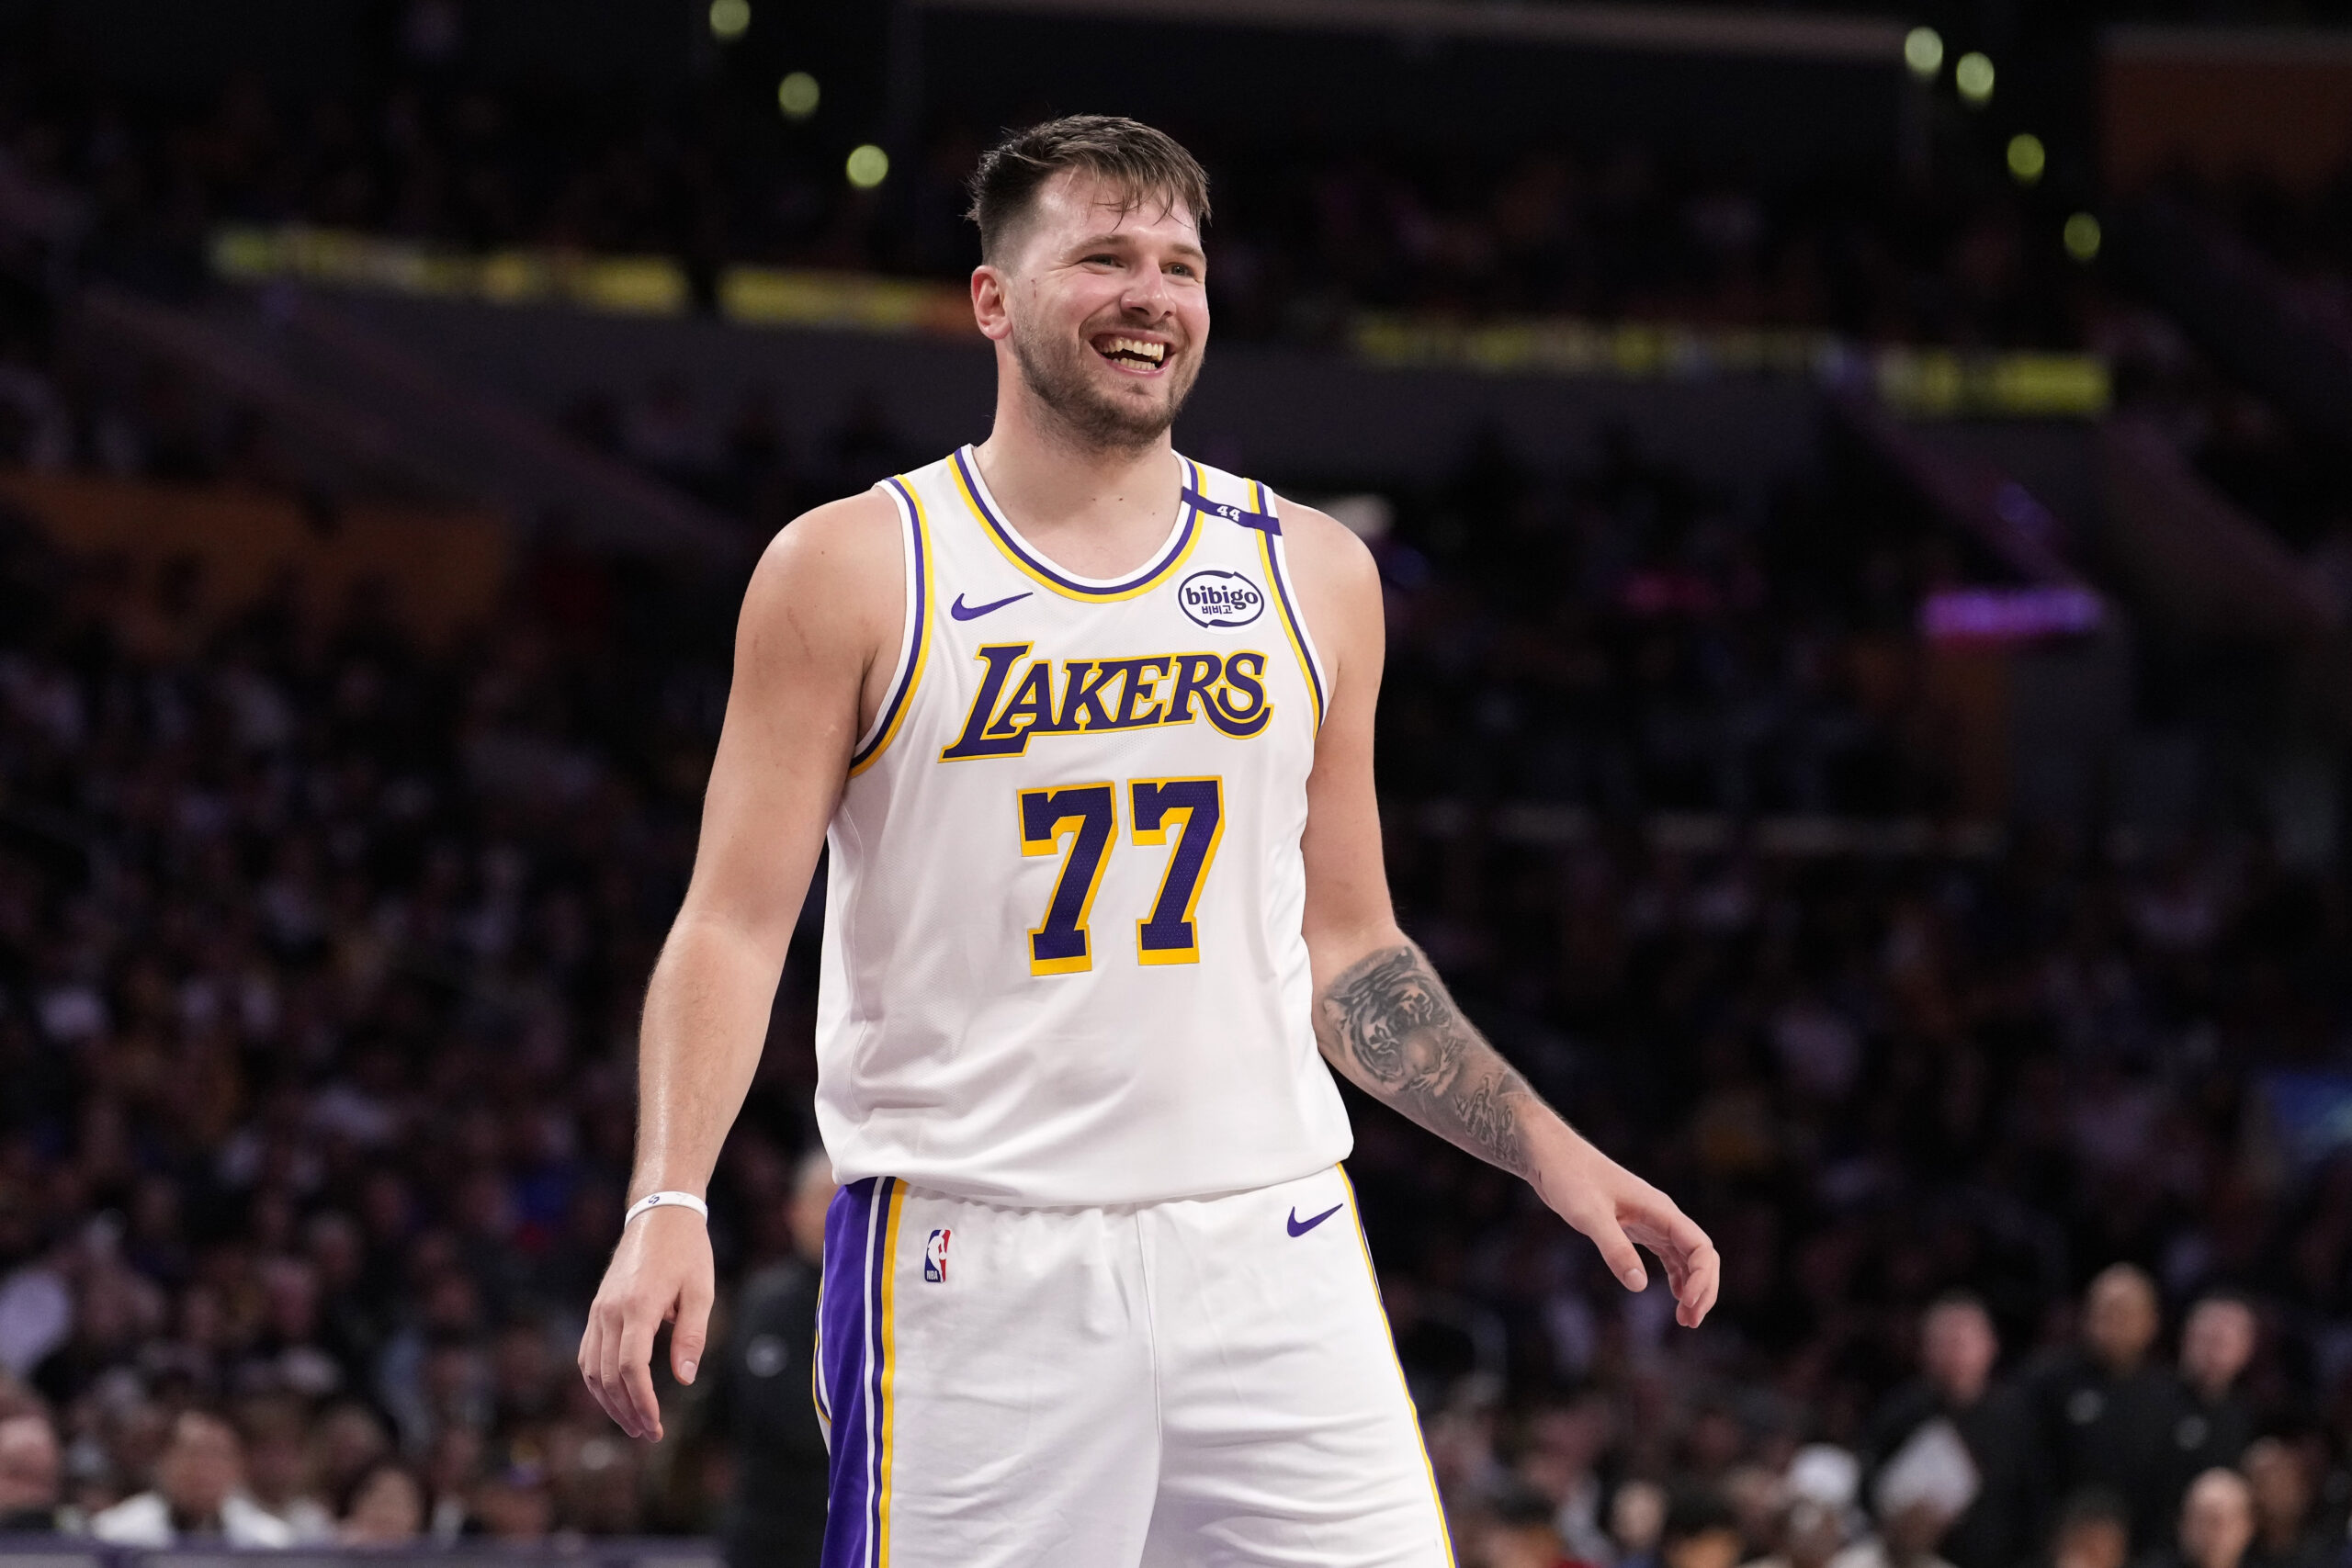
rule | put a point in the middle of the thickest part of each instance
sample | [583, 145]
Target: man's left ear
[989, 310]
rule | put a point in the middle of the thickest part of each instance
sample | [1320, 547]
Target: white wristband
[666, 1201]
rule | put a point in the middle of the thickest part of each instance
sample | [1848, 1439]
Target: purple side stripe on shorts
[877, 1405]
[853, 1240]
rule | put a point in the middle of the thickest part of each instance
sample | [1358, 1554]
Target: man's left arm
[1382, 1016]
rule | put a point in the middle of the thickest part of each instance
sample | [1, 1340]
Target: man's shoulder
[863, 524]
[1338, 580]
[832, 573]
[1315, 540]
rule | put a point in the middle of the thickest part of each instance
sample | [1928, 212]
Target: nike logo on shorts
[964, 611]
[1300, 1228]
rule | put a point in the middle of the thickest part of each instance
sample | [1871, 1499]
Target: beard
[1055, 369]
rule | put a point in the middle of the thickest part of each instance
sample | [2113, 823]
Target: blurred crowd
[320, 948]
[422, 147]
[316, 1031]
[320, 953]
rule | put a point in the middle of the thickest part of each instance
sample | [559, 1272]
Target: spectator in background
[349, 1445]
[1819, 1516]
[1918, 1494]
[1699, 1531]
[2103, 1409]
[1564, 1445]
[2278, 1480]
[2216, 1523]
[1812, 1533]
[1904, 1538]
[29, 1475]
[1958, 1348]
[2214, 1422]
[777, 1515]
[1521, 1533]
[452, 1469]
[1636, 1523]
[199, 1495]
[387, 1510]
[279, 1469]
[513, 1502]
[2094, 1531]
[1759, 1499]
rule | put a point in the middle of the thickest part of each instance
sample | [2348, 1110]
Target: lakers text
[1087, 697]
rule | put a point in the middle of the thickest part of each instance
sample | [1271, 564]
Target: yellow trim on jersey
[919, 593]
[1290, 627]
[1355, 1216]
[1084, 595]
[889, 1368]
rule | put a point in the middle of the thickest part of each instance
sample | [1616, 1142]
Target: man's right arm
[821, 621]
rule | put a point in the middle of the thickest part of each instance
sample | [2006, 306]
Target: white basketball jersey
[1063, 957]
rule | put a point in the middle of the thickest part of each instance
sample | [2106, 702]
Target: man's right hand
[660, 1273]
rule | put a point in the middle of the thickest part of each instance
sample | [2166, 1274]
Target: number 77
[1087, 815]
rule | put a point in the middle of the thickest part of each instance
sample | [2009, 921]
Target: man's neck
[1048, 479]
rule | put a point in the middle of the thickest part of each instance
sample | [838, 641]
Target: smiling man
[1088, 728]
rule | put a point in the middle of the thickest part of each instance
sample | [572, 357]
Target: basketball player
[1087, 727]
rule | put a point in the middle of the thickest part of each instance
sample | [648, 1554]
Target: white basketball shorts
[1190, 1384]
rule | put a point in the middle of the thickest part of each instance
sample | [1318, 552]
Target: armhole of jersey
[914, 637]
[1269, 544]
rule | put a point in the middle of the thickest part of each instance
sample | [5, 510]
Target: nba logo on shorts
[934, 1258]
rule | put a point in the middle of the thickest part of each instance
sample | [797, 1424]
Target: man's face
[2216, 1344]
[1105, 312]
[2280, 1486]
[200, 1468]
[387, 1510]
[2093, 1543]
[2120, 1321]
[1957, 1348]
[27, 1463]
[2216, 1520]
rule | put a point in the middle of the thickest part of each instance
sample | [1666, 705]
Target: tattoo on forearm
[1391, 1016]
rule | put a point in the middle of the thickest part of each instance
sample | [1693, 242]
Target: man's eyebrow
[1126, 237]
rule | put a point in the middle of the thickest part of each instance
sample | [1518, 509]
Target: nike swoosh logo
[964, 611]
[1300, 1228]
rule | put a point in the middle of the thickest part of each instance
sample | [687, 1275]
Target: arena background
[1865, 506]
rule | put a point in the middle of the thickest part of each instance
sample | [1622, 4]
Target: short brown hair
[1145, 165]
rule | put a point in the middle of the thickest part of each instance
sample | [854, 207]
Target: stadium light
[868, 166]
[1923, 51]
[2028, 157]
[729, 19]
[797, 95]
[1974, 77]
[2081, 237]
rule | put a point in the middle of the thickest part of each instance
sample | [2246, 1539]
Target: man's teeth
[1154, 352]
